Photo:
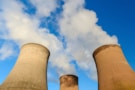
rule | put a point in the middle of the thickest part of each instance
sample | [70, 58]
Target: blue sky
[117, 17]
[71, 30]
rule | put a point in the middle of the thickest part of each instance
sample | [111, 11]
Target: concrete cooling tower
[29, 72]
[114, 73]
[68, 82]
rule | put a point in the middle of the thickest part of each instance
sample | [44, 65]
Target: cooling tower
[68, 82]
[114, 73]
[29, 72]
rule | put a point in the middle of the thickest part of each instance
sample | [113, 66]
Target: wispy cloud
[6, 50]
[76, 25]
[44, 7]
[82, 34]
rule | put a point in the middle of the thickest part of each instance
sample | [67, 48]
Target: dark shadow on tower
[68, 82]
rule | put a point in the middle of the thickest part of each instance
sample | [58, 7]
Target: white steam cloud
[77, 26]
[44, 7]
[82, 34]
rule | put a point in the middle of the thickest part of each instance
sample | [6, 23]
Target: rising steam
[77, 32]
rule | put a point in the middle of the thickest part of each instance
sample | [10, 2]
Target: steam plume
[78, 34]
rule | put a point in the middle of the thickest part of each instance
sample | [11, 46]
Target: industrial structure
[29, 72]
[68, 82]
[114, 73]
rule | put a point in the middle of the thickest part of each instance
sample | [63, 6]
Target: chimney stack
[68, 82]
[29, 72]
[114, 73]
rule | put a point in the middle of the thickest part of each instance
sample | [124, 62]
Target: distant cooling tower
[68, 82]
[114, 73]
[30, 70]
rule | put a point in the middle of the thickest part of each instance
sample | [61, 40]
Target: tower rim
[36, 44]
[100, 48]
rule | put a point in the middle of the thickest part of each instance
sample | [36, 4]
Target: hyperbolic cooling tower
[68, 82]
[114, 73]
[30, 70]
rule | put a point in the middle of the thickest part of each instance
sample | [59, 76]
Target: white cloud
[6, 51]
[83, 35]
[23, 28]
[62, 64]
[44, 7]
[77, 24]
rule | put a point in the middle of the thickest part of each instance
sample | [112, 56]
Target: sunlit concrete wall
[114, 73]
[29, 72]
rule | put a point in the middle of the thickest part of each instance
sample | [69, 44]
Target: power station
[69, 82]
[114, 73]
[30, 70]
